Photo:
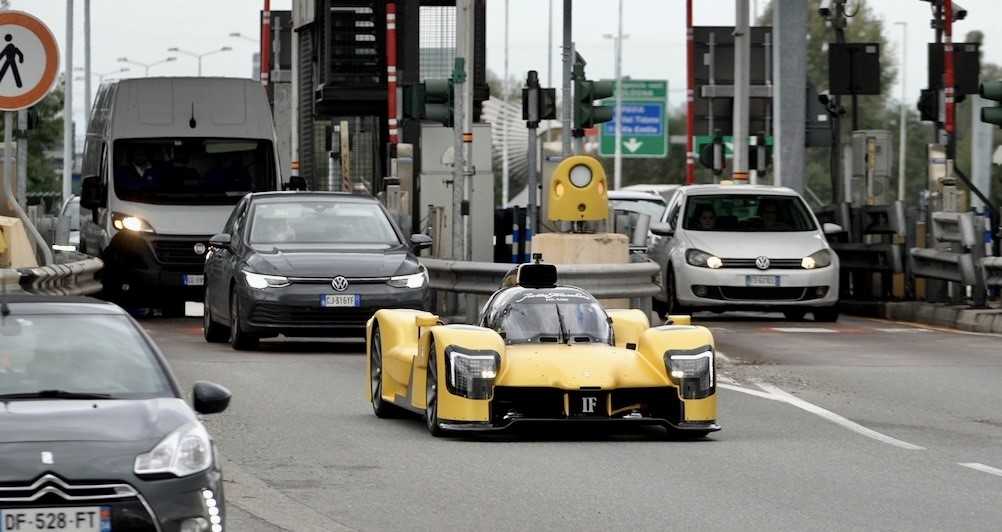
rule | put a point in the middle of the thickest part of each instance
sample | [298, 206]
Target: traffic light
[712, 155]
[586, 91]
[928, 105]
[430, 100]
[991, 90]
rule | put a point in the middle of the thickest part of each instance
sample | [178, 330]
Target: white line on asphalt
[802, 330]
[835, 418]
[901, 330]
[932, 327]
[722, 356]
[749, 391]
[983, 468]
[726, 379]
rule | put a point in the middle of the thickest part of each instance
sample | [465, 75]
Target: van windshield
[192, 170]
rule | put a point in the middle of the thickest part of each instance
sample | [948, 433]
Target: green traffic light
[991, 90]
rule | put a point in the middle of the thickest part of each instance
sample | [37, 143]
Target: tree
[42, 139]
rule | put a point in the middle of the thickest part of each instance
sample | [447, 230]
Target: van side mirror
[93, 195]
[662, 229]
[420, 241]
[220, 241]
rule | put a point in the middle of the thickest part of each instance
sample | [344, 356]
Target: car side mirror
[420, 241]
[832, 229]
[210, 398]
[220, 241]
[662, 229]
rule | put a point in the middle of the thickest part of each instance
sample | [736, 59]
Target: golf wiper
[54, 394]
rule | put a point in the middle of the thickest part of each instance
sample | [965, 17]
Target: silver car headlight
[471, 373]
[186, 451]
[693, 371]
[702, 259]
[819, 259]
[414, 280]
[259, 281]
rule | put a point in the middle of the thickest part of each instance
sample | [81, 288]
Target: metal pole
[742, 51]
[789, 74]
[533, 181]
[391, 73]
[690, 113]
[199, 66]
[8, 192]
[505, 170]
[618, 164]
[265, 44]
[22, 160]
[68, 106]
[468, 169]
[456, 219]
[567, 120]
[948, 82]
[549, 57]
[903, 133]
[87, 92]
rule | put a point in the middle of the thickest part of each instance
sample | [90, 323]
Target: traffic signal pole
[742, 57]
[566, 115]
[690, 112]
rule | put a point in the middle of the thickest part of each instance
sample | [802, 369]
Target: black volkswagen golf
[309, 264]
[94, 433]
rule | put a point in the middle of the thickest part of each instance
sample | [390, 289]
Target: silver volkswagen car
[745, 247]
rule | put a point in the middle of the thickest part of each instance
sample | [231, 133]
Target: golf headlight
[256, 280]
[130, 223]
[819, 259]
[471, 373]
[415, 280]
[184, 452]
[580, 176]
[702, 259]
[693, 371]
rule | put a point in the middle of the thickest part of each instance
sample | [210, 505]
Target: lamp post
[146, 66]
[100, 75]
[197, 55]
[903, 134]
[618, 162]
[238, 35]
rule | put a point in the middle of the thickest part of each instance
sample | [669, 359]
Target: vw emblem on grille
[47, 458]
[339, 283]
[762, 263]
[199, 249]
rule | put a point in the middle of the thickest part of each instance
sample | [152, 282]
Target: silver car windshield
[747, 213]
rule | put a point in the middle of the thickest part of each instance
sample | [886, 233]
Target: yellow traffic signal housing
[578, 191]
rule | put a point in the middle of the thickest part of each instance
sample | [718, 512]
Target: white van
[165, 161]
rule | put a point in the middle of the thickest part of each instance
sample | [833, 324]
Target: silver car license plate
[762, 280]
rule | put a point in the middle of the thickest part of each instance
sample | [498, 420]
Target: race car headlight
[415, 280]
[692, 370]
[130, 223]
[819, 259]
[471, 373]
[256, 280]
[702, 259]
[184, 452]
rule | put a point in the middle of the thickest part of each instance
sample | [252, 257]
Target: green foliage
[42, 175]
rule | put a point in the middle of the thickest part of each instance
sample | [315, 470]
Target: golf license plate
[340, 300]
[194, 280]
[761, 280]
[75, 519]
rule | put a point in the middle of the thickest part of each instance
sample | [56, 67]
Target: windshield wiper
[54, 394]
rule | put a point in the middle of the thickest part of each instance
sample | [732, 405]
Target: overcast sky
[142, 30]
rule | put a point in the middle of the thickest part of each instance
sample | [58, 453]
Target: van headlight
[819, 259]
[471, 373]
[702, 259]
[186, 451]
[414, 280]
[692, 371]
[136, 224]
[259, 281]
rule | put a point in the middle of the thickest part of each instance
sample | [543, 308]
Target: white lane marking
[749, 391]
[932, 327]
[720, 354]
[900, 330]
[726, 379]
[982, 467]
[802, 330]
[835, 418]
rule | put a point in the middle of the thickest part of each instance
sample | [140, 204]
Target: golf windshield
[549, 318]
[192, 170]
[747, 213]
[78, 354]
[322, 223]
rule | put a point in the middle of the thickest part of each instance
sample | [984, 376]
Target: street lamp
[146, 66]
[618, 38]
[197, 55]
[903, 134]
[238, 35]
[100, 75]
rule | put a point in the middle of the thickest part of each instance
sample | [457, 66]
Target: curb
[960, 317]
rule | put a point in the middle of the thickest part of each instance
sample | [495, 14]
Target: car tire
[431, 395]
[794, 315]
[239, 340]
[671, 305]
[826, 315]
[213, 331]
[380, 408]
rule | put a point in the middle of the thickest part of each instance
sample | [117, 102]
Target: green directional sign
[645, 120]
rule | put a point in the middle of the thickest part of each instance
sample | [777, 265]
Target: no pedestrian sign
[644, 126]
[29, 60]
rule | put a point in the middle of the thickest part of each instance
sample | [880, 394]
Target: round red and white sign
[29, 60]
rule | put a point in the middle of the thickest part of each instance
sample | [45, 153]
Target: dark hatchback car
[94, 433]
[308, 264]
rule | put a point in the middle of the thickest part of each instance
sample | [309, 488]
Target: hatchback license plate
[194, 280]
[340, 300]
[75, 519]
[761, 280]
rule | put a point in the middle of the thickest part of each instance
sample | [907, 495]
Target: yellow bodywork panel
[398, 331]
[453, 407]
[628, 325]
[570, 367]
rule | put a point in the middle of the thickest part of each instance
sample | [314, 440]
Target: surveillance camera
[959, 13]
[826, 8]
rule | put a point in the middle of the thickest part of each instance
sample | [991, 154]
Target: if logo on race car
[588, 405]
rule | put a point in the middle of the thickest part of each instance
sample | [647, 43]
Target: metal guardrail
[886, 258]
[955, 228]
[992, 269]
[963, 264]
[75, 278]
[943, 265]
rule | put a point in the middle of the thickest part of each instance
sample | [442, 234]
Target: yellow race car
[542, 353]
